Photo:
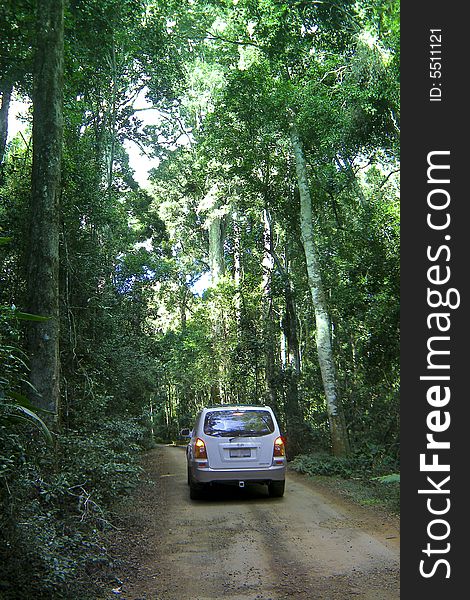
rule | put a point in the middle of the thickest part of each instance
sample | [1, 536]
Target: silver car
[235, 444]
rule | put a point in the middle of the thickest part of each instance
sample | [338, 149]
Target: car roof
[235, 407]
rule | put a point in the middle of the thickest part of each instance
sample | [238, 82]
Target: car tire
[195, 489]
[276, 488]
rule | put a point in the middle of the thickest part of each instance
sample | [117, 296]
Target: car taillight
[279, 449]
[200, 449]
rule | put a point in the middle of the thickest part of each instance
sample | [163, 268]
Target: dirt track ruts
[240, 544]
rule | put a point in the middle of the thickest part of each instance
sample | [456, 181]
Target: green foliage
[105, 460]
[369, 493]
[392, 478]
[17, 27]
[370, 463]
[54, 504]
[339, 88]
[15, 407]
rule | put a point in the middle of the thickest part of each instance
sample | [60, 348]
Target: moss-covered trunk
[43, 260]
[339, 436]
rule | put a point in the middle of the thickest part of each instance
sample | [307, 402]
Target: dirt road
[243, 545]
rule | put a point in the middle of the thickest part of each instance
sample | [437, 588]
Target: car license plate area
[240, 453]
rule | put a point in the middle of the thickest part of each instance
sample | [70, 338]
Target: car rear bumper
[207, 475]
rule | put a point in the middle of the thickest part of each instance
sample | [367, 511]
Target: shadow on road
[232, 494]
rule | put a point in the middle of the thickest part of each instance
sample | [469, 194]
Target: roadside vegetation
[366, 479]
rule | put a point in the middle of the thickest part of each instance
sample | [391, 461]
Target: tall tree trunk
[270, 343]
[112, 118]
[43, 267]
[270, 329]
[215, 225]
[339, 436]
[294, 416]
[295, 424]
[216, 262]
[183, 302]
[216, 249]
[5, 90]
[237, 270]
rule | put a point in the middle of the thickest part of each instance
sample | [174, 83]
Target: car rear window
[230, 423]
